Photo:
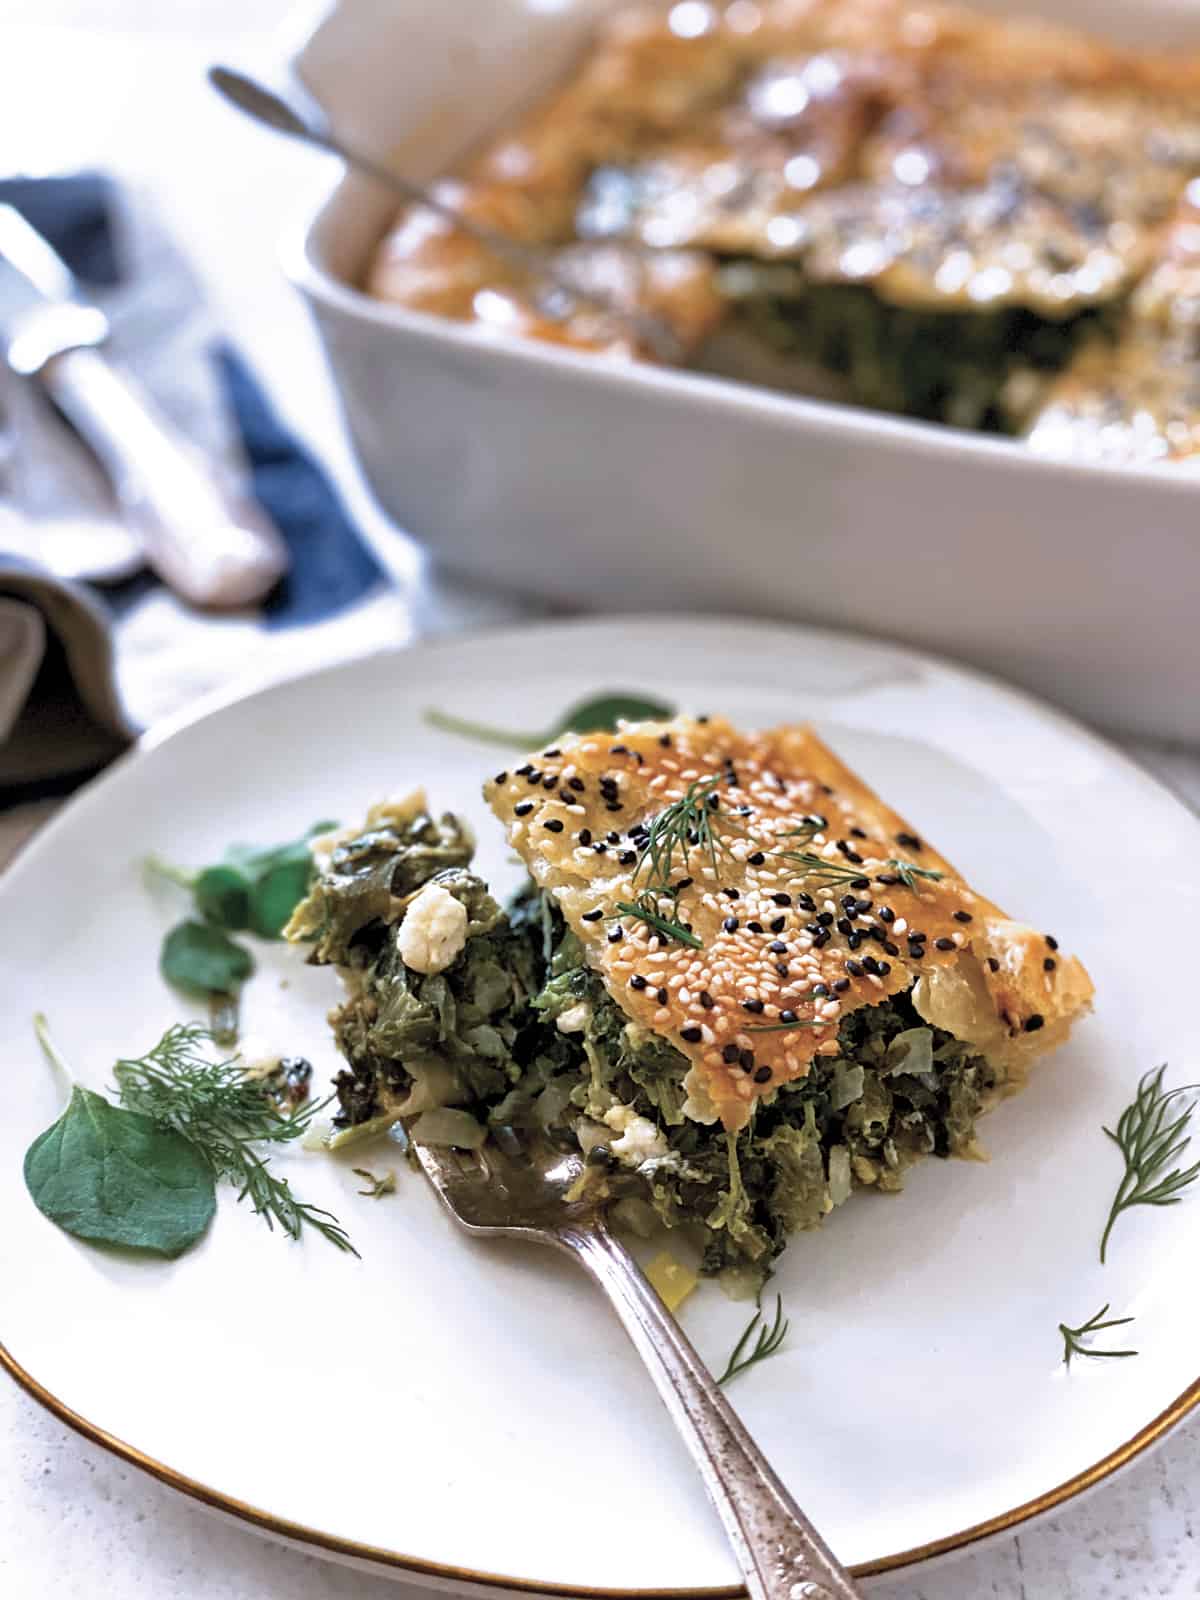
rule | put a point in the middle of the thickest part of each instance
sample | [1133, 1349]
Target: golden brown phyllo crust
[946, 158]
[741, 893]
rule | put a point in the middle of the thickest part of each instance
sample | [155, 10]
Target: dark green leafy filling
[484, 1034]
[962, 368]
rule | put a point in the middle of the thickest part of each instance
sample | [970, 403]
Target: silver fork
[498, 1193]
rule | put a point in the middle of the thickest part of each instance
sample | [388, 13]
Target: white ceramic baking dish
[634, 487]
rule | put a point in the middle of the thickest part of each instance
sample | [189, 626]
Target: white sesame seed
[900, 925]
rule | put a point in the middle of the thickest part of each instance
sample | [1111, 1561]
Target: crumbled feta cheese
[640, 1140]
[698, 1106]
[575, 1018]
[434, 930]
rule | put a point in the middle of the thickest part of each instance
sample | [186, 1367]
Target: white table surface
[119, 82]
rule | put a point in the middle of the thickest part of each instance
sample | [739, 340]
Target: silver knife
[213, 545]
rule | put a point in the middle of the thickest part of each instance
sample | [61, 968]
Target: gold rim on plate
[297, 1533]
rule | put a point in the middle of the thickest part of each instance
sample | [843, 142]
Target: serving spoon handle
[274, 110]
[780, 1553]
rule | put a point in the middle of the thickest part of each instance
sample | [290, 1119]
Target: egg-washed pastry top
[936, 207]
[736, 988]
[741, 894]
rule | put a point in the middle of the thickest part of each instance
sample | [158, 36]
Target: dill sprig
[1073, 1338]
[224, 1113]
[1150, 1139]
[693, 822]
[908, 872]
[649, 910]
[822, 869]
[745, 1355]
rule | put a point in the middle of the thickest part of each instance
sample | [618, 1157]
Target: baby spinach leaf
[252, 887]
[115, 1177]
[201, 959]
[598, 714]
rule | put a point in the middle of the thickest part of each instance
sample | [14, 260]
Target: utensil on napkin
[211, 544]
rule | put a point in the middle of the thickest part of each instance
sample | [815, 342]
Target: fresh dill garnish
[1150, 1142]
[1073, 1338]
[908, 872]
[649, 910]
[224, 1112]
[807, 828]
[823, 869]
[693, 822]
[376, 1187]
[744, 1355]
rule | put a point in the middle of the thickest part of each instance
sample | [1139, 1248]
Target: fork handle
[780, 1553]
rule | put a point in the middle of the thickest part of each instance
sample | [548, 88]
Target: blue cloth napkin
[331, 569]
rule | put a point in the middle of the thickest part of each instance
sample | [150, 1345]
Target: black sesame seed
[763, 1075]
[886, 914]
[825, 789]
[845, 926]
[550, 781]
[730, 924]
[777, 947]
[637, 981]
[755, 927]
[600, 848]
[860, 883]
[915, 950]
[962, 916]
[820, 990]
[692, 1035]
[892, 949]
[533, 777]
[757, 859]
[915, 933]
[806, 902]
[841, 985]
[522, 808]
[993, 964]
[731, 893]
[782, 899]
[618, 750]
[754, 1007]
[684, 883]
[889, 878]
[664, 739]
[787, 1016]
[592, 916]
[746, 1060]
[627, 857]
[826, 919]
[870, 965]
[549, 753]
[730, 1054]
[521, 771]
[701, 721]
[909, 841]
[662, 997]
[576, 784]
[854, 968]
[777, 925]
[1049, 964]
[585, 836]
[943, 944]
[706, 1000]
[554, 825]
[613, 805]
[781, 967]
[822, 939]
[854, 940]
[849, 902]
[615, 935]
[1052, 941]
[501, 777]
[1033, 1023]
[857, 833]
[884, 968]
[613, 838]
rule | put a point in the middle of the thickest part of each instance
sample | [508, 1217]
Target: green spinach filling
[971, 369]
[519, 1032]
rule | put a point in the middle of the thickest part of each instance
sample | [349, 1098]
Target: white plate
[472, 1410]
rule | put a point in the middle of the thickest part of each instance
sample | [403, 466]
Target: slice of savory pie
[738, 981]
